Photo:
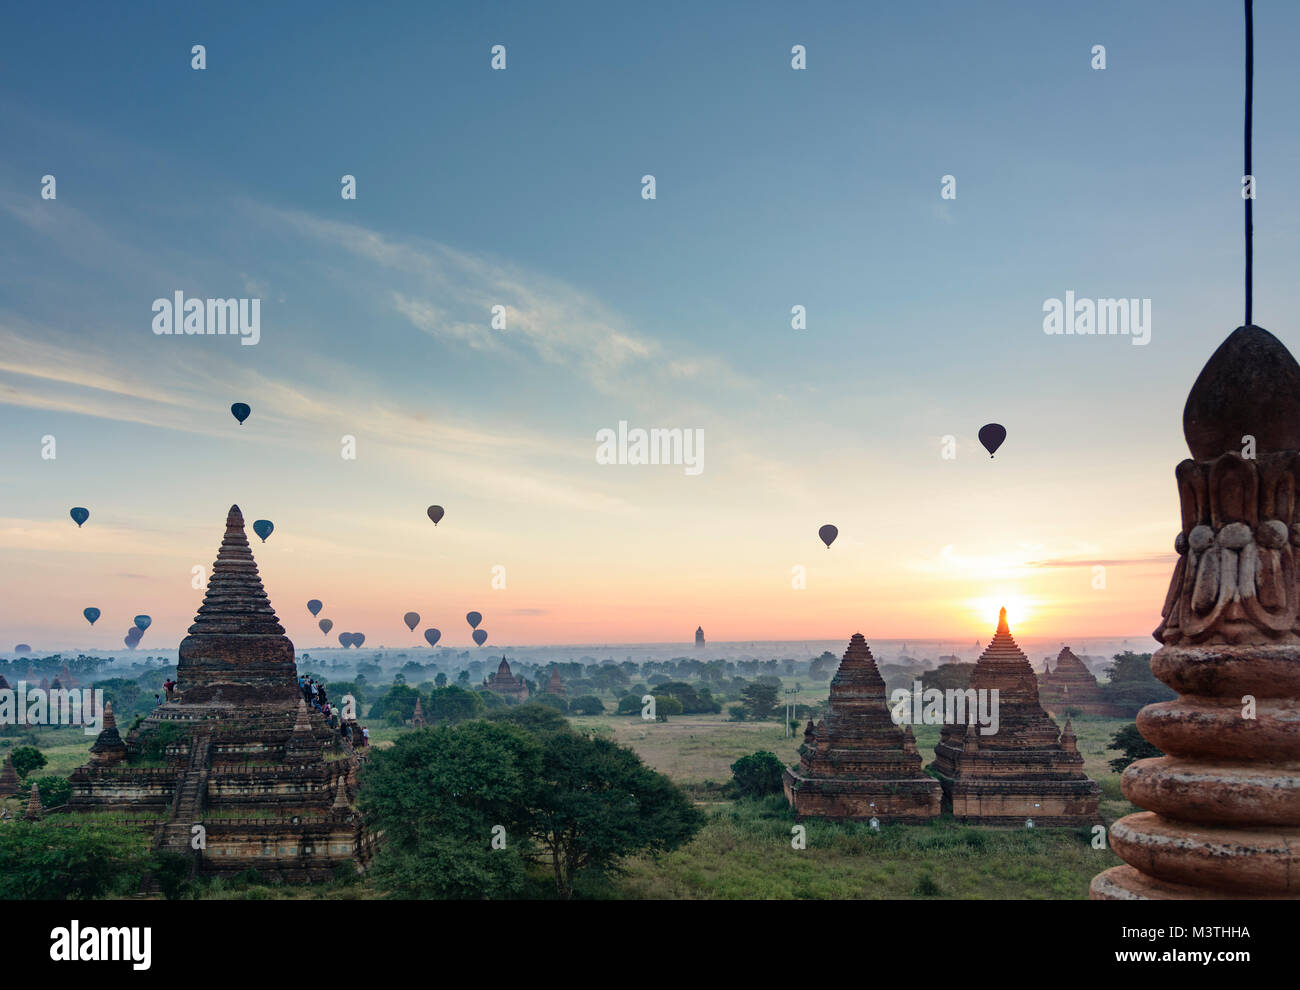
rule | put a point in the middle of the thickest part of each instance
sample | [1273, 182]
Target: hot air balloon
[432, 635]
[436, 513]
[263, 528]
[22, 648]
[326, 625]
[240, 411]
[412, 619]
[828, 534]
[142, 622]
[91, 614]
[79, 515]
[991, 436]
[480, 636]
[473, 618]
[314, 606]
[135, 632]
[345, 639]
[358, 639]
[130, 641]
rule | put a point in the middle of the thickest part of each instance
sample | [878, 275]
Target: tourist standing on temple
[168, 685]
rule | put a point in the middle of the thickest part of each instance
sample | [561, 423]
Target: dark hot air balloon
[263, 528]
[91, 614]
[412, 619]
[480, 636]
[130, 641]
[326, 625]
[828, 534]
[473, 618]
[142, 622]
[991, 436]
[358, 639]
[345, 639]
[432, 635]
[240, 411]
[314, 606]
[436, 513]
[79, 515]
[22, 648]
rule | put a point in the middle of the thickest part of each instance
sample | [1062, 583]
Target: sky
[523, 188]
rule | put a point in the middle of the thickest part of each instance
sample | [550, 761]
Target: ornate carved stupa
[1028, 769]
[1223, 806]
[1070, 684]
[239, 740]
[856, 762]
[506, 684]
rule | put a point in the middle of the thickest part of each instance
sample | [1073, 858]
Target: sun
[1020, 610]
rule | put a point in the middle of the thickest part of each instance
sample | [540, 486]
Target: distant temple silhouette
[699, 636]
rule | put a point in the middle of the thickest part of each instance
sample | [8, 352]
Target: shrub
[758, 774]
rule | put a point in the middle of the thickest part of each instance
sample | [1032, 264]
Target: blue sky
[522, 187]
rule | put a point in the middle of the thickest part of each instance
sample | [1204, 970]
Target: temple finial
[1002, 622]
[1250, 386]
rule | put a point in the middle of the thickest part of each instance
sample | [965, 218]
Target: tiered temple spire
[1223, 818]
[236, 650]
[1022, 771]
[857, 763]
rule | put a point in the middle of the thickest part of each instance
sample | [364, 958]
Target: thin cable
[1250, 88]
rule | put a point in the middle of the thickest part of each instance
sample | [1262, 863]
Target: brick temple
[857, 763]
[1070, 685]
[1223, 804]
[505, 683]
[237, 750]
[1028, 769]
[554, 685]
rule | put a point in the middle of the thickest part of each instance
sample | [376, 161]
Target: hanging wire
[1250, 88]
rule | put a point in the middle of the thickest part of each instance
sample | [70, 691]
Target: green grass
[744, 852]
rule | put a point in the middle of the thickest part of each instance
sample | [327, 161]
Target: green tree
[757, 774]
[1132, 685]
[1130, 742]
[400, 700]
[453, 704]
[438, 795]
[948, 676]
[54, 791]
[666, 705]
[441, 679]
[595, 802]
[552, 701]
[588, 704]
[39, 861]
[759, 699]
[629, 704]
[26, 759]
[536, 718]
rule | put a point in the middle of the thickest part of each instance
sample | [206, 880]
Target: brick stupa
[1070, 684]
[857, 763]
[1223, 804]
[237, 750]
[554, 685]
[1028, 769]
[505, 683]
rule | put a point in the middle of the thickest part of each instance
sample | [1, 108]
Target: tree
[948, 676]
[757, 774]
[43, 862]
[1130, 742]
[26, 759]
[759, 699]
[453, 704]
[1132, 685]
[441, 679]
[552, 701]
[629, 704]
[588, 704]
[400, 701]
[437, 797]
[536, 718]
[595, 802]
[822, 668]
[54, 791]
[665, 705]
